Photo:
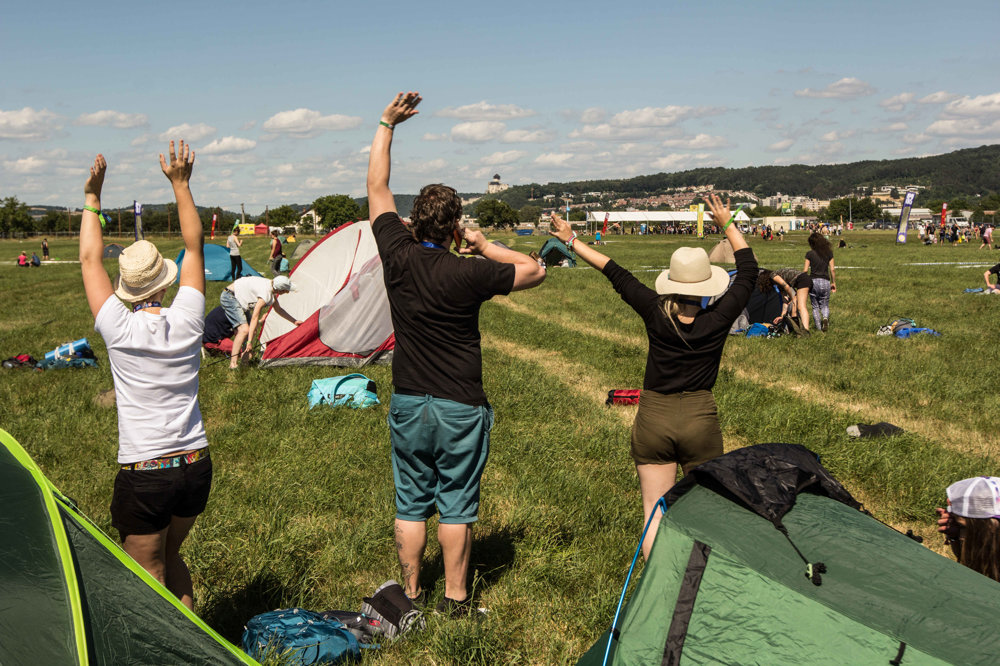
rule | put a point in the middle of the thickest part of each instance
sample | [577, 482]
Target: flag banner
[604, 229]
[137, 207]
[944, 213]
[215, 218]
[701, 220]
[904, 216]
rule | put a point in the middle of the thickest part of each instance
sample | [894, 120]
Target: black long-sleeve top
[671, 365]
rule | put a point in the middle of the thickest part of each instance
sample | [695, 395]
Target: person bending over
[677, 421]
[439, 417]
[243, 302]
[992, 288]
[795, 286]
[971, 523]
[165, 471]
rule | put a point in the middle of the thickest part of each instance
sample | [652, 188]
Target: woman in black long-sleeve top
[677, 421]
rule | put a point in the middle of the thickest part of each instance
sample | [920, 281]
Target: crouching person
[165, 472]
[439, 418]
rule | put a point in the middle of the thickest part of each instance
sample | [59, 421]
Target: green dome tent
[72, 596]
[554, 251]
[726, 579]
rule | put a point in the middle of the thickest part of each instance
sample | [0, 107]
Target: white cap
[978, 497]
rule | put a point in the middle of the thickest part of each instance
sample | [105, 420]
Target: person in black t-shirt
[820, 266]
[439, 418]
[992, 288]
[677, 421]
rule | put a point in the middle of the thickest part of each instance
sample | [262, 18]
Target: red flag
[214, 217]
[944, 212]
[604, 231]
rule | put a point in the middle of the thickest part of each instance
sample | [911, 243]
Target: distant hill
[964, 172]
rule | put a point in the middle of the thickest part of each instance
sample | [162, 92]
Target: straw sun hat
[142, 271]
[692, 274]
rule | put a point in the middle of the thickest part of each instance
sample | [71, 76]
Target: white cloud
[837, 136]
[485, 111]
[140, 140]
[845, 88]
[435, 137]
[939, 97]
[630, 149]
[503, 157]
[305, 123]
[28, 124]
[892, 127]
[675, 160]
[969, 117]
[190, 133]
[593, 115]
[527, 136]
[658, 117]
[915, 139]
[115, 119]
[781, 146]
[30, 164]
[429, 166]
[478, 131]
[553, 159]
[605, 132]
[228, 145]
[896, 103]
[697, 142]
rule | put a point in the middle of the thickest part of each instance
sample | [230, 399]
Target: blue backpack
[354, 390]
[758, 330]
[300, 637]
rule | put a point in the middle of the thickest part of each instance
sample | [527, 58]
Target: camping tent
[728, 578]
[722, 253]
[217, 264]
[340, 296]
[300, 250]
[554, 251]
[72, 596]
[112, 251]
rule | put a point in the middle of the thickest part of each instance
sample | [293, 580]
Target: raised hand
[95, 181]
[475, 242]
[720, 213]
[560, 228]
[402, 108]
[178, 172]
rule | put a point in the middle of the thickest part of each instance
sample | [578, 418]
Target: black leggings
[236, 266]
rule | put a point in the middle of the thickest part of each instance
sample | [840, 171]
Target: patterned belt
[169, 461]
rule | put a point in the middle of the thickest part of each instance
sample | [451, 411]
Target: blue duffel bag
[300, 637]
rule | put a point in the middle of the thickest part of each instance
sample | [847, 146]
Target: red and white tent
[340, 296]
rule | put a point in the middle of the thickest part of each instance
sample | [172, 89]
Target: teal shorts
[439, 450]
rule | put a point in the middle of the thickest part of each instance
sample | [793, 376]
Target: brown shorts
[678, 428]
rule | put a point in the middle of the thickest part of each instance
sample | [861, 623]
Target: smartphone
[459, 236]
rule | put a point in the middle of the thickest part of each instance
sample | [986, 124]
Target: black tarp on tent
[69, 595]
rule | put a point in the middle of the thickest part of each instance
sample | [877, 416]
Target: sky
[281, 99]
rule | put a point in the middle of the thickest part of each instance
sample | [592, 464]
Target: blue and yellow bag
[354, 390]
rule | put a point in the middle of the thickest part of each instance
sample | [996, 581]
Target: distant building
[495, 186]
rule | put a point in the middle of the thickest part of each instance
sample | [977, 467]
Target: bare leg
[177, 574]
[411, 539]
[238, 340]
[802, 305]
[148, 550]
[456, 548]
[654, 482]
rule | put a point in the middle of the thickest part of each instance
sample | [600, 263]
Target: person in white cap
[677, 422]
[243, 301]
[971, 524]
[165, 473]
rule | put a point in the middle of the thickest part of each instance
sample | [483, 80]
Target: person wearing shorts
[165, 472]
[795, 286]
[243, 301]
[439, 417]
[992, 288]
[677, 422]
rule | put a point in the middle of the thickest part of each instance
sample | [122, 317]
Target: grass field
[302, 505]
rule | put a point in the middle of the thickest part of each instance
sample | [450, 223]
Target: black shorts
[803, 281]
[145, 500]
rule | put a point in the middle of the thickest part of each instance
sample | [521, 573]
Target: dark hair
[820, 245]
[981, 546]
[274, 232]
[436, 211]
[764, 281]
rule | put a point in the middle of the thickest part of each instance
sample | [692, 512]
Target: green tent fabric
[724, 586]
[554, 251]
[72, 596]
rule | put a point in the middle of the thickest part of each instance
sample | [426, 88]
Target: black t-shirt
[217, 326]
[996, 271]
[818, 266]
[434, 297]
[671, 366]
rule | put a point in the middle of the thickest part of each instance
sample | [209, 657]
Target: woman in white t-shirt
[235, 260]
[243, 301]
[165, 473]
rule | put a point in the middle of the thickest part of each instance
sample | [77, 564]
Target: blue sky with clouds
[280, 99]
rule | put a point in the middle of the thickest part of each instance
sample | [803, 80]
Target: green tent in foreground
[69, 595]
[554, 251]
[724, 586]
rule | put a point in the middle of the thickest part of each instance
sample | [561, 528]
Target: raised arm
[96, 282]
[178, 172]
[527, 272]
[721, 215]
[561, 229]
[380, 200]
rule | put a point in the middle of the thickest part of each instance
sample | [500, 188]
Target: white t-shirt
[248, 289]
[234, 248]
[154, 363]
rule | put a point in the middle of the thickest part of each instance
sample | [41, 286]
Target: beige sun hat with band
[692, 274]
[142, 271]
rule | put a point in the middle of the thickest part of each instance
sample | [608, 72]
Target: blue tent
[554, 251]
[217, 266]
